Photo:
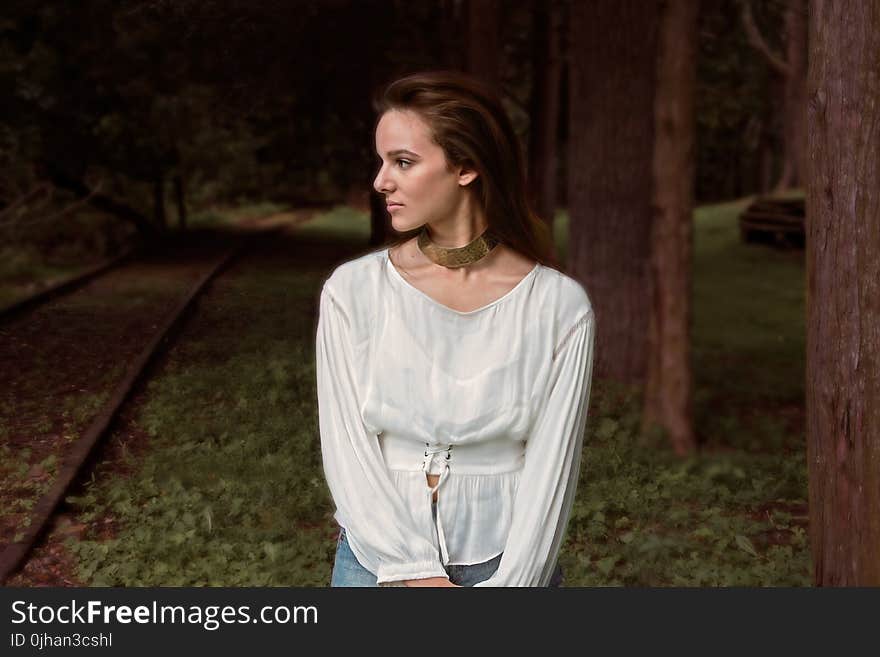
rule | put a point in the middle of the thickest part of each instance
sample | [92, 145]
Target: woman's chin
[405, 226]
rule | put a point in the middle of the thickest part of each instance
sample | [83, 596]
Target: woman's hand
[430, 581]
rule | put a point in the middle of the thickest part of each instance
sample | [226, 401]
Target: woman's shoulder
[567, 295]
[353, 278]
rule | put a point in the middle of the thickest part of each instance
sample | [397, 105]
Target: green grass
[220, 216]
[643, 517]
[24, 272]
[22, 484]
[231, 491]
[342, 222]
[748, 333]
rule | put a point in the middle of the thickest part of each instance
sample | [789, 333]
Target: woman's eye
[407, 161]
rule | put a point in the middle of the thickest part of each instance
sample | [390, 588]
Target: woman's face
[414, 173]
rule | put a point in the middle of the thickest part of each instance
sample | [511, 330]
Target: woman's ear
[466, 176]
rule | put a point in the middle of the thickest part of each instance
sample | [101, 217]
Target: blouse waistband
[485, 457]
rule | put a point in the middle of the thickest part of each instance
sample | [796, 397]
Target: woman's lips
[394, 206]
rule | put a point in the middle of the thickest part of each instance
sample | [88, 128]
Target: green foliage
[23, 271]
[231, 491]
[342, 222]
[219, 215]
[120, 96]
[749, 335]
[643, 517]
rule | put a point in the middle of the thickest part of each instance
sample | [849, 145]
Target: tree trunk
[159, 203]
[180, 198]
[562, 159]
[483, 43]
[795, 89]
[544, 110]
[843, 294]
[611, 137]
[766, 167]
[668, 391]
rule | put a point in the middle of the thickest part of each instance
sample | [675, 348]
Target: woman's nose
[381, 183]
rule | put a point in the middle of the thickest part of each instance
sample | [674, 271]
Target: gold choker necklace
[457, 256]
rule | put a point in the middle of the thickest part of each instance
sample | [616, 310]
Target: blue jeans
[347, 570]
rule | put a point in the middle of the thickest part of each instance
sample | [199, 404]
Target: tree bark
[843, 292]
[668, 390]
[795, 137]
[545, 109]
[766, 167]
[611, 137]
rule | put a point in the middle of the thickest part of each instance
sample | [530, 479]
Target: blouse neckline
[521, 284]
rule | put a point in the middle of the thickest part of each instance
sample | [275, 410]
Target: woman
[453, 366]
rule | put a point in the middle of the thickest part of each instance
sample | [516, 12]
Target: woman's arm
[552, 464]
[376, 515]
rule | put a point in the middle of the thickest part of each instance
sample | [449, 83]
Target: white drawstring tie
[426, 466]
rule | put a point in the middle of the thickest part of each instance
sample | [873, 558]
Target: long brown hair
[468, 121]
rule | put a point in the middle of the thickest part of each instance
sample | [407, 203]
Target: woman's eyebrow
[401, 151]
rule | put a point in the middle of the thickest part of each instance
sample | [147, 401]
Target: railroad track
[26, 525]
[74, 282]
[64, 286]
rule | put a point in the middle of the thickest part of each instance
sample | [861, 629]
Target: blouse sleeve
[548, 482]
[355, 470]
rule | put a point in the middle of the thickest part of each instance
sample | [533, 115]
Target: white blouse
[494, 400]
